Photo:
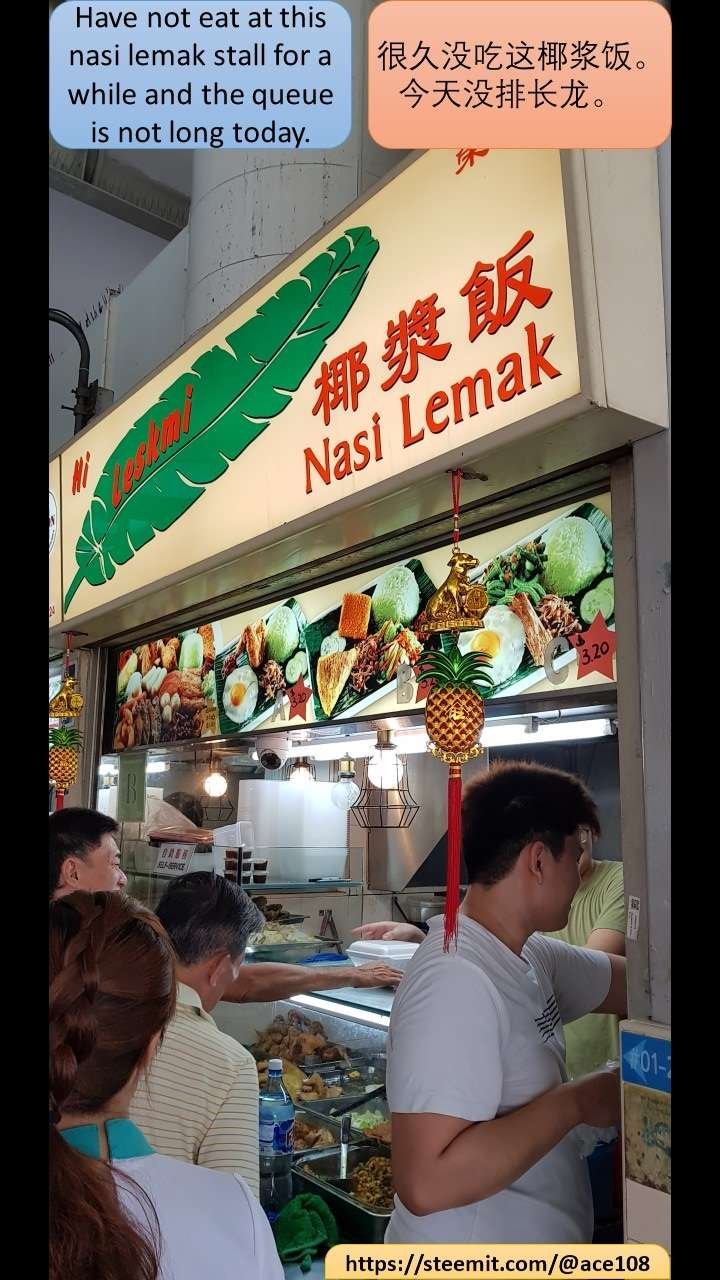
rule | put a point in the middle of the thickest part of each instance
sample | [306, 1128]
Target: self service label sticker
[645, 1060]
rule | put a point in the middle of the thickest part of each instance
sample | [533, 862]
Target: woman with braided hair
[119, 1211]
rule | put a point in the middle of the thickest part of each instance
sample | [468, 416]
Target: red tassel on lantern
[452, 899]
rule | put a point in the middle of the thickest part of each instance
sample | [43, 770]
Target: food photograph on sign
[253, 673]
[647, 1137]
[334, 653]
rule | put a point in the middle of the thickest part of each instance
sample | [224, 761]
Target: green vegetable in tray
[368, 1119]
[575, 556]
[396, 597]
[296, 667]
[521, 570]
[283, 634]
[600, 600]
[334, 643]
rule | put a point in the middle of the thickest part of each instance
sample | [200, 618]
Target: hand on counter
[597, 1098]
[374, 975]
[389, 931]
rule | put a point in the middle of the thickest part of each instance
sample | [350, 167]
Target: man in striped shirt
[199, 1101]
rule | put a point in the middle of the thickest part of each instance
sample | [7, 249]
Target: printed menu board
[335, 653]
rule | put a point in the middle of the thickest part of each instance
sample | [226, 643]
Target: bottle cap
[275, 1065]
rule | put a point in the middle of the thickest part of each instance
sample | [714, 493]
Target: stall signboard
[347, 650]
[437, 315]
[55, 578]
[645, 1073]
[131, 788]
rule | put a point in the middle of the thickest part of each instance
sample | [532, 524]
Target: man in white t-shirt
[486, 1138]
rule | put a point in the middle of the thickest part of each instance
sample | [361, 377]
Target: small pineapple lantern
[454, 711]
[65, 739]
[65, 743]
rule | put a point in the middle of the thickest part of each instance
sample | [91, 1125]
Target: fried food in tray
[309, 1137]
[299, 1039]
[371, 1183]
[302, 1089]
[315, 1089]
[293, 1077]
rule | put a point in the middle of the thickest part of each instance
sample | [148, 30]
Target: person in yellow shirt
[597, 921]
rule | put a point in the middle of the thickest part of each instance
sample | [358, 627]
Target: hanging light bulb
[346, 790]
[215, 784]
[302, 771]
[385, 769]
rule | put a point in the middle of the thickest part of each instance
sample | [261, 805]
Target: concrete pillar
[664, 163]
[250, 209]
[641, 536]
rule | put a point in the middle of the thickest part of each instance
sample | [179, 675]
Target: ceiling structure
[149, 189]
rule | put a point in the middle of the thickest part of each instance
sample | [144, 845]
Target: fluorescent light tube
[519, 735]
[343, 1010]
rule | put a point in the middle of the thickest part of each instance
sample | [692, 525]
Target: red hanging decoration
[452, 897]
[454, 712]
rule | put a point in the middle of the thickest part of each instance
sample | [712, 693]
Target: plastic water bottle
[277, 1133]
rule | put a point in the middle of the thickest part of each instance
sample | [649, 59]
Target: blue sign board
[645, 1060]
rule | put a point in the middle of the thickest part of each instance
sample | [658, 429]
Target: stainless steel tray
[354, 1091]
[281, 952]
[318, 1121]
[356, 1221]
[372, 1065]
[379, 1104]
[309, 1064]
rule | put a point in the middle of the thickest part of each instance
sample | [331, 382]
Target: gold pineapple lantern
[454, 711]
[65, 743]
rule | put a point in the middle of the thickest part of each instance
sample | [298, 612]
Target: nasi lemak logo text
[159, 439]
[215, 409]
[493, 296]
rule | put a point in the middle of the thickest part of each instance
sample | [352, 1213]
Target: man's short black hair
[204, 913]
[513, 804]
[74, 833]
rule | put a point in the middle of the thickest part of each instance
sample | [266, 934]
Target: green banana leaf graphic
[234, 399]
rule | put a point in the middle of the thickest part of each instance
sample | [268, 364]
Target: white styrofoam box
[397, 954]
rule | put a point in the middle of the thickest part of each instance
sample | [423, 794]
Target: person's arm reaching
[441, 1162]
[390, 931]
[608, 940]
[616, 999]
[261, 983]
[584, 980]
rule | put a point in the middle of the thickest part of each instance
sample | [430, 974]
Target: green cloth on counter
[304, 1229]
